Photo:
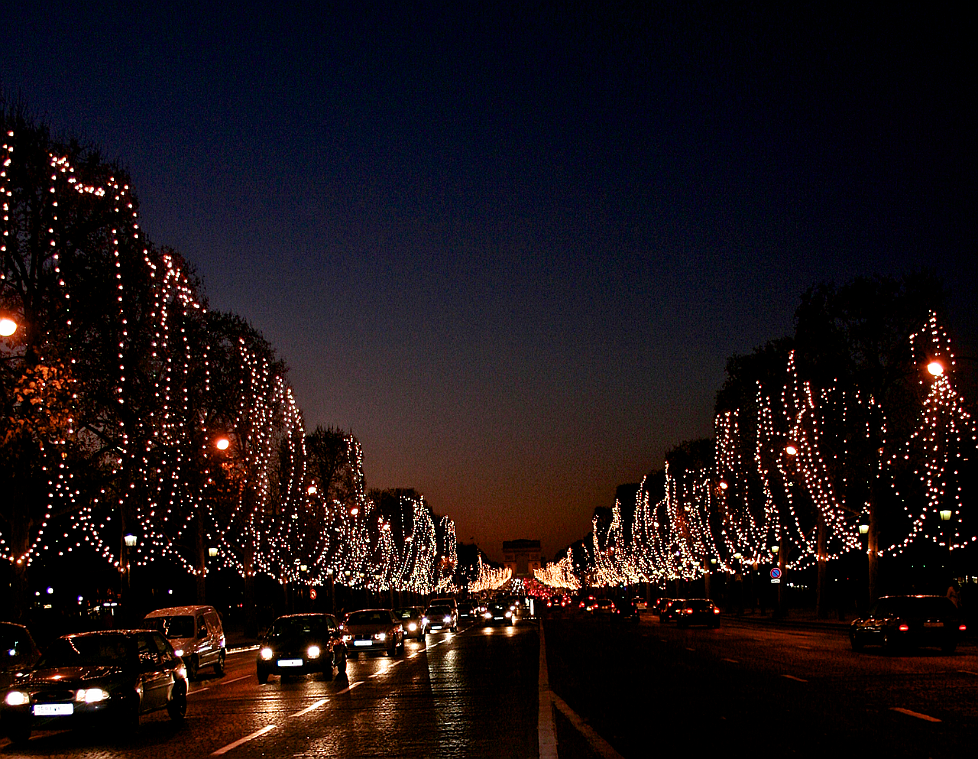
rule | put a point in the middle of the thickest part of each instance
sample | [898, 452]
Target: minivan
[196, 634]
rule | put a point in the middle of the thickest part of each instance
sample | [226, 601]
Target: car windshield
[408, 613]
[368, 618]
[172, 627]
[438, 611]
[290, 626]
[84, 651]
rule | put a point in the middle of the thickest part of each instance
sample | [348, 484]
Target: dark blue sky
[512, 249]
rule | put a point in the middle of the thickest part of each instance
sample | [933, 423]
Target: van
[196, 634]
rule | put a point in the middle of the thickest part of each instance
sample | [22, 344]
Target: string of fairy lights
[253, 507]
[792, 486]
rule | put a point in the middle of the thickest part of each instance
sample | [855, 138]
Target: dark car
[669, 608]
[18, 652]
[908, 621]
[500, 614]
[300, 644]
[412, 618]
[603, 607]
[119, 674]
[373, 630]
[467, 612]
[697, 611]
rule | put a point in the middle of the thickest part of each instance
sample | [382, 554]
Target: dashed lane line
[918, 715]
[312, 708]
[244, 740]
[796, 679]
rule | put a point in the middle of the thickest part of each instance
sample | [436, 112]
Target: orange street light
[7, 326]
[222, 443]
[935, 368]
[791, 450]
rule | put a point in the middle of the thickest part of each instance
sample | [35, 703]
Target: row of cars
[111, 673]
[686, 612]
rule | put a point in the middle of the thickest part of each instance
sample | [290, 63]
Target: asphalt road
[747, 688]
[473, 694]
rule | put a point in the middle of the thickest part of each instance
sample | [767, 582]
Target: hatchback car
[299, 644]
[412, 619]
[120, 674]
[697, 611]
[908, 621]
[669, 608]
[500, 614]
[441, 618]
[373, 630]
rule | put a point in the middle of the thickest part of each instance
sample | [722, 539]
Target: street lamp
[7, 326]
[222, 443]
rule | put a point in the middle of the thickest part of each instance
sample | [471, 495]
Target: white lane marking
[546, 734]
[732, 661]
[601, 747]
[244, 740]
[312, 708]
[243, 677]
[348, 688]
[918, 715]
[690, 649]
[968, 672]
[199, 690]
[797, 679]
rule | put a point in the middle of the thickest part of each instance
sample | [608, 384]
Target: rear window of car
[172, 627]
[368, 618]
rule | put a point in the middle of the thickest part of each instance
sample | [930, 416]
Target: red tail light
[903, 628]
[962, 628]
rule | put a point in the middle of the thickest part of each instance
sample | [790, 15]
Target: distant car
[589, 603]
[697, 611]
[301, 644]
[18, 652]
[119, 675]
[467, 612]
[908, 621]
[196, 634]
[412, 619]
[373, 630]
[640, 603]
[603, 607]
[441, 618]
[669, 608]
[500, 614]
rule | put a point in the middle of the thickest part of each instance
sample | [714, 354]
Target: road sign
[775, 576]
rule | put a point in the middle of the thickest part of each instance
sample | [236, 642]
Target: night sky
[511, 248]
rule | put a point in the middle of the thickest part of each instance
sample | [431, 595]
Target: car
[301, 644]
[196, 634]
[500, 614]
[373, 630]
[603, 607]
[901, 622]
[412, 618]
[117, 674]
[441, 618]
[18, 652]
[467, 612]
[697, 611]
[669, 608]
[640, 603]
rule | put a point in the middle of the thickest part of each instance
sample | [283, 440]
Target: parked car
[373, 630]
[18, 652]
[441, 618]
[195, 632]
[119, 674]
[301, 644]
[412, 618]
[697, 611]
[908, 621]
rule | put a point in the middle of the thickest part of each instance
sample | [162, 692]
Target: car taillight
[962, 628]
[903, 628]
[716, 611]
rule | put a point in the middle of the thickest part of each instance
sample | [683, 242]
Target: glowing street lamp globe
[222, 443]
[7, 327]
[935, 368]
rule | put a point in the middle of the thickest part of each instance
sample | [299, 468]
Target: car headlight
[424, 620]
[313, 652]
[178, 652]
[17, 698]
[412, 626]
[347, 638]
[509, 613]
[487, 615]
[447, 620]
[380, 636]
[91, 695]
[266, 653]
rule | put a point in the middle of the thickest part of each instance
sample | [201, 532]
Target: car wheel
[192, 668]
[856, 641]
[262, 676]
[19, 731]
[177, 708]
[219, 664]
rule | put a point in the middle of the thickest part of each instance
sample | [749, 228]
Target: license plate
[53, 710]
[361, 643]
[933, 624]
[290, 662]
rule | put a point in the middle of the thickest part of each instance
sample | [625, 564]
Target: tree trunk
[821, 602]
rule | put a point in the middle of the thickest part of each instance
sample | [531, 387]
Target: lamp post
[7, 326]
